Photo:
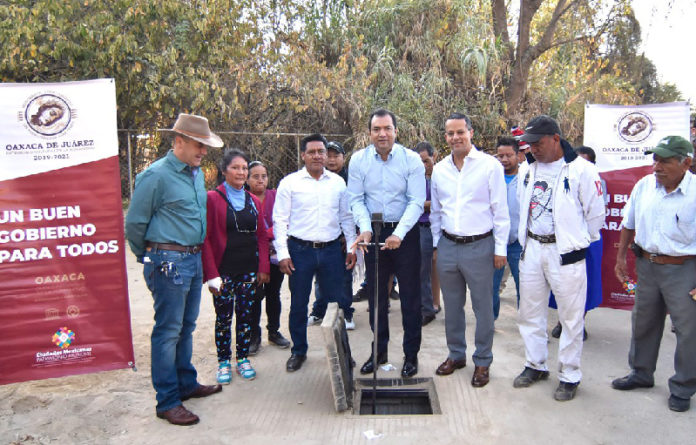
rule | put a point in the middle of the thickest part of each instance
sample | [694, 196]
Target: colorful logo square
[63, 337]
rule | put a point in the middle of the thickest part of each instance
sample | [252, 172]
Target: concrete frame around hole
[425, 384]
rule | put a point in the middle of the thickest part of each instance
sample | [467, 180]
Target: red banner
[64, 299]
[619, 136]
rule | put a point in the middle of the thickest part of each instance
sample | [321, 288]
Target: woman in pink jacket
[235, 261]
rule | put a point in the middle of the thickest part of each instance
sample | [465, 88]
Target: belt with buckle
[666, 259]
[174, 247]
[543, 239]
[390, 224]
[466, 239]
[312, 244]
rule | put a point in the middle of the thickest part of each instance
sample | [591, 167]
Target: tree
[542, 26]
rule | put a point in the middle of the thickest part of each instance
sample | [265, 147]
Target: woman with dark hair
[257, 184]
[235, 261]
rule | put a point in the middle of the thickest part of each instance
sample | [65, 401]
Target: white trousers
[540, 273]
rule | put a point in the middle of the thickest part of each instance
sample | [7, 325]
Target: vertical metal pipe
[375, 316]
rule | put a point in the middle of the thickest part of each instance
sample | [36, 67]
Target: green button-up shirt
[168, 206]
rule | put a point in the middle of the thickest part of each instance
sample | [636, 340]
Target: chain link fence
[279, 152]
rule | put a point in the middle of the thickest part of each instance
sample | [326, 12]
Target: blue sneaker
[245, 370]
[224, 372]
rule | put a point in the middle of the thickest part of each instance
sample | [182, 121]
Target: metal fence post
[297, 141]
[130, 165]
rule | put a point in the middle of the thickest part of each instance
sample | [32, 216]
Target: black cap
[540, 126]
[333, 145]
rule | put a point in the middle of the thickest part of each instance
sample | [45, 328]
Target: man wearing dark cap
[660, 221]
[336, 158]
[561, 212]
[165, 227]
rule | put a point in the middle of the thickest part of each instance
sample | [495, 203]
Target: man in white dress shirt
[660, 217]
[311, 210]
[561, 212]
[470, 222]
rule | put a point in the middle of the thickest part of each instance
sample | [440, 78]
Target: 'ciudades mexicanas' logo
[63, 337]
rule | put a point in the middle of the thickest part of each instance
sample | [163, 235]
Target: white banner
[49, 126]
[620, 134]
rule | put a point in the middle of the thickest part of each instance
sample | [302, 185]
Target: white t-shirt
[541, 204]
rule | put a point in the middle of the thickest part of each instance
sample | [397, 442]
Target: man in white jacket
[561, 212]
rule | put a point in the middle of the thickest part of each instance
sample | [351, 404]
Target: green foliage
[286, 66]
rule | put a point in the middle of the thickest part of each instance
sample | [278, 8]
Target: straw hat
[196, 127]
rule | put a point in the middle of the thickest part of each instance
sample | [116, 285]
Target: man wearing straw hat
[165, 227]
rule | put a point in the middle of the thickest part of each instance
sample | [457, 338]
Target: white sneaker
[350, 325]
[313, 319]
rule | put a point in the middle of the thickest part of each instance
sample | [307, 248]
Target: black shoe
[394, 294]
[360, 295]
[428, 318]
[630, 382]
[556, 331]
[565, 391]
[367, 368]
[678, 404]
[410, 367]
[529, 376]
[255, 344]
[277, 339]
[295, 362]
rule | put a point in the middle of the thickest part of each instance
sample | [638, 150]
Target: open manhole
[415, 396]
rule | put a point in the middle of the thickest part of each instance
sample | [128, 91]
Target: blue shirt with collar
[395, 187]
[168, 205]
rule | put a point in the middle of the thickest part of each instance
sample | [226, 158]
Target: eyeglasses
[236, 224]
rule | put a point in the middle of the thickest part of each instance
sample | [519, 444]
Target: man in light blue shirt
[388, 178]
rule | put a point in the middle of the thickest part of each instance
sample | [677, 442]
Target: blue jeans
[328, 264]
[344, 300]
[175, 280]
[514, 251]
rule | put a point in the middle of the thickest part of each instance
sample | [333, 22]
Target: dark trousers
[344, 299]
[426, 268]
[271, 292]
[328, 264]
[403, 262]
[237, 295]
